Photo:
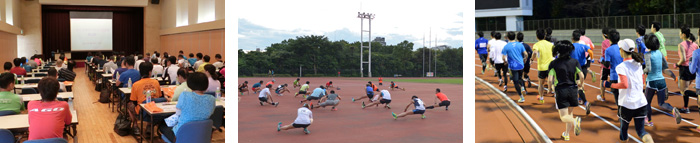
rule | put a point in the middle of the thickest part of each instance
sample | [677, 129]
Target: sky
[262, 23]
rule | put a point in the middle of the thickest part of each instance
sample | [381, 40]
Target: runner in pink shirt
[606, 70]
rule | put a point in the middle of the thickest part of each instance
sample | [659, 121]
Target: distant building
[380, 40]
[501, 15]
[257, 49]
[441, 47]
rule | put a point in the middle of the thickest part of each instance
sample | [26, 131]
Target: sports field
[602, 124]
[351, 123]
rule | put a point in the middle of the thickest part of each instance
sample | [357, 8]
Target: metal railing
[618, 22]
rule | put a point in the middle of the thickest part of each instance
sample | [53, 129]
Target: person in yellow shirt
[543, 53]
[206, 62]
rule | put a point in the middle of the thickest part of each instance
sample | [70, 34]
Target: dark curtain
[127, 31]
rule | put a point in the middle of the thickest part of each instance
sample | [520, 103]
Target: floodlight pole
[362, 17]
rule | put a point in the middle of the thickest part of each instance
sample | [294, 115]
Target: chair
[29, 91]
[193, 132]
[218, 118]
[40, 74]
[7, 112]
[51, 140]
[6, 136]
[59, 80]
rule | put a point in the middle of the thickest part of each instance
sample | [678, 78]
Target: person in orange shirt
[270, 83]
[443, 100]
[145, 84]
[393, 85]
[380, 81]
[374, 87]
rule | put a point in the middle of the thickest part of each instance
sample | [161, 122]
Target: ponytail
[691, 37]
[637, 57]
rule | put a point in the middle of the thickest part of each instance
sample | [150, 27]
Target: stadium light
[362, 17]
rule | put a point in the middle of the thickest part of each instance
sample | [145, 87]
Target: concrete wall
[30, 42]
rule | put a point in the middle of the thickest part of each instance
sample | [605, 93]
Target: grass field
[445, 81]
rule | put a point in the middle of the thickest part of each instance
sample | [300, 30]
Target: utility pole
[423, 73]
[362, 17]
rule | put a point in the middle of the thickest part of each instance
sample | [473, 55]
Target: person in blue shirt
[256, 87]
[641, 48]
[192, 60]
[370, 94]
[130, 73]
[88, 59]
[316, 95]
[514, 53]
[481, 44]
[655, 81]
[193, 105]
[579, 54]
[612, 59]
[528, 49]
[26, 66]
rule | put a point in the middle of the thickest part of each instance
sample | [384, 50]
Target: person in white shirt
[417, 103]
[265, 95]
[171, 69]
[60, 65]
[157, 68]
[138, 62]
[53, 73]
[199, 60]
[110, 65]
[386, 99]
[499, 62]
[219, 63]
[631, 100]
[304, 119]
[181, 61]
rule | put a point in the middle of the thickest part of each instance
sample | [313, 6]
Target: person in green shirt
[296, 83]
[303, 89]
[655, 27]
[8, 100]
[182, 78]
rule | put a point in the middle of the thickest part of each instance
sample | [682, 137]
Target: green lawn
[445, 81]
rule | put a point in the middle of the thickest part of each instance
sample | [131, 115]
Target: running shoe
[648, 123]
[524, 90]
[306, 131]
[353, 99]
[676, 115]
[482, 72]
[363, 105]
[565, 137]
[261, 103]
[541, 98]
[387, 106]
[577, 126]
[684, 110]
[279, 126]
[588, 108]
[422, 116]
[505, 88]
[521, 100]
[592, 76]
[393, 114]
[675, 78]
[277, 103]
[580, 102]
[600, 98]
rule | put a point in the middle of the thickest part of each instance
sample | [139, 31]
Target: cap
[626, 45]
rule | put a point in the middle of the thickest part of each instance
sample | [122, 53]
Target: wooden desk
[30, 97]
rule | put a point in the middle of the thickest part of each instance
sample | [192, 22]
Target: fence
[618, 22]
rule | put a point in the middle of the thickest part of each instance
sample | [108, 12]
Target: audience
[205, 61]
[120, 70]
[199, 61]
[18, 70]
[210, 71]
[182, 79]
[110, 65]
[171, 70]
[191, 60]
[194, 106]
[54, 74]
[130, 73]
[37, 59]
[60, 64]
[145, 84]
[89, 57]
[157, 68]
[10, 101]
[219, 62]
[32, 63]
[67, 72]
[26, 66]
[48, 117]
[138, 62]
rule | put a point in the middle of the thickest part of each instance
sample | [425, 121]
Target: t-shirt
[192, 61]
[270, 83]
[544, 54]
[256, 85]
[328, 84]
[11, 102]
[137, 63]
[564, 70]
[481, 45]
[66, 74]
[632, 97]
[296, 82]
[689, 48]
[304, 116]
[332, 96]
[19, 71]
[194, 107]
[318, 92]
[612, 55]
[694, 65]
[120, 71]
[218, 64]
[38, 61]
[157, 69]
[130, 73]
[200, 68]
[144, 85]
[604, 46]
[27, 67]
[386, 95]
[172, 72]
[662, 42]
[264, 92]
[418, 103]
[47, 119]
[641, 47]
[369, 90]
[579, 53]
[655, 65]
[197, 64]
[514, 52]
[528, 49]
[213, 84]
[178, 91]
[497, 48]
[442, 96]
[304, 87]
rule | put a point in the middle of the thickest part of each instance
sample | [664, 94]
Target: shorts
[302, 92]
[255, 88]
[627, 114]
[605, 74]
[416, 111]
[685, 73]
[542, 74]
[241, 89]
[396, 86]
[329, 103]
[312, 98]
[444, 103]
[526, 69]
[295, 125]
[483, 58]
[384, 101]
[277, 91]
[566, 97]
[370, 95]
[263, 99]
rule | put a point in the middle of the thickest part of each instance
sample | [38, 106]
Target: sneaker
[393, 114]
[588, 108]
[277, 103]
[521, 100]
[600, 98]
[500, 82]
[676, 115]
[279, 126]
[648, 123]
[565, 137]
[363, 105]
[580, 102]
[684, 110]
[505, 88]
[261, 103]
[593, 76]
[577, 126]
[482, 72]
[422, 116]
[306, 131]
[353, 99]
[387, 106]
[541, 98]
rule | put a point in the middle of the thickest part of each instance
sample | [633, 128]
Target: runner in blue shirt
[514, 52]
[579, 53]
[612, 59]
[528, 49]
[641, 48]
[481, 50]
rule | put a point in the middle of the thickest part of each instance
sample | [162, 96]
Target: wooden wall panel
[209, 42]
[8, 46]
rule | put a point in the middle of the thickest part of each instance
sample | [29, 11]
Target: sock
[430, 107]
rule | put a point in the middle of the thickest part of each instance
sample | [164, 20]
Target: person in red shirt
[393, 85]
[443, 100]
[18, 70]
[270, 83]
[329, 84]
[380, 81]
[48, 117]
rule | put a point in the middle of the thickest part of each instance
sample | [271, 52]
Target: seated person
[25, 64]
[194, 106]
[130, 73]
[54, 74]
[67, 73]
[18, 70]
[181, 78]
[48, 116]
[145, 84]
[214, 84]
[8, 100]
